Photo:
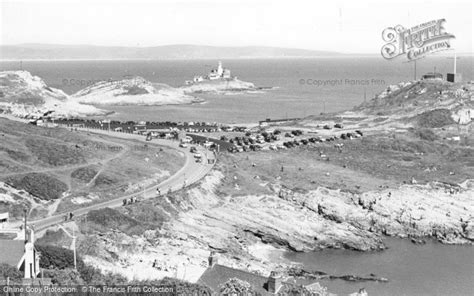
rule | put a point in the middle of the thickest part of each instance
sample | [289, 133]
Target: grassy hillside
[76, 168]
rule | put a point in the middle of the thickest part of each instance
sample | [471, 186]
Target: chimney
[274, 282]
[212, 259]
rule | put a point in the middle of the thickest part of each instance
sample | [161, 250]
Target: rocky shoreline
[247, 230]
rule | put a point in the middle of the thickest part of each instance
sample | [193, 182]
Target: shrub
[40, 185]
[8, 271]
[53, 257]
[426, 134]
[235, 286]
[435, 118]
[64, 277]
[106, 219]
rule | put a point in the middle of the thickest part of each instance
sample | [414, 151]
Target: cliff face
[248, 230]
[23, 88]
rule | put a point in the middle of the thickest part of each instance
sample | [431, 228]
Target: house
[198, 78]
[19, 251]
[216, 275]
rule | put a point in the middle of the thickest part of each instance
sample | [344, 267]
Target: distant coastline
[335, 56]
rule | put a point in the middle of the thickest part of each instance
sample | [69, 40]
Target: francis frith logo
[416, 42]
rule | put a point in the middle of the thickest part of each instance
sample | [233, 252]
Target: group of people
[132, 199]
[68, 216]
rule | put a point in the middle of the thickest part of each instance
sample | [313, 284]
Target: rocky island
[218, 81]
[133, 91]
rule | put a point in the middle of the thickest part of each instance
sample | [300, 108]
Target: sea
[293, 88]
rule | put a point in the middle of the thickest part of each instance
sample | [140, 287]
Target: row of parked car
[344, 136]
[247, 144]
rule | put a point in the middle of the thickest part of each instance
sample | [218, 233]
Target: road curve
[189, 174]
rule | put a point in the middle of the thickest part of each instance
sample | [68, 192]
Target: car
[338, 125]
[197, 155]
[193, 149]
[183, 145]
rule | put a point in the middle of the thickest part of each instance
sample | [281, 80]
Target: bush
[64, 277]
[435, 118]
[235, 286]
[40, 185]
[182, 287]
[106, 219]
[426, 134]
[92, 275]
[8, 271]
[84, 174]
[53, 257]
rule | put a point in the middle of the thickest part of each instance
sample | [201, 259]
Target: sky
[340, 26]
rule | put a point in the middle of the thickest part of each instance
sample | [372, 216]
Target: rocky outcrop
[25, 95]
[219, 86]
[239, 227]
[437, 210]
[133, 91]
[299, 272]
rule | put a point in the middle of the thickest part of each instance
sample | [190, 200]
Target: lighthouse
[220, 70]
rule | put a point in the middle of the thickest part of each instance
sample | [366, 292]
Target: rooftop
[218, 274]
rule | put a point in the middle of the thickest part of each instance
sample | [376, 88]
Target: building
[454, 77]
[198, 78]
[17, 249]
[216, 275]
[219, 73]
[432, 76]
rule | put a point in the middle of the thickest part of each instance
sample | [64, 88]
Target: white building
[219, 73]
[20, 252]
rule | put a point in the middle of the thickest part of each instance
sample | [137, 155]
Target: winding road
[189, 174]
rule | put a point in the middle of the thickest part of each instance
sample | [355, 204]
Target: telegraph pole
[455, 58]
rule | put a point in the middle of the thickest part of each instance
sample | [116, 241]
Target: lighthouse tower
[220, 70]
